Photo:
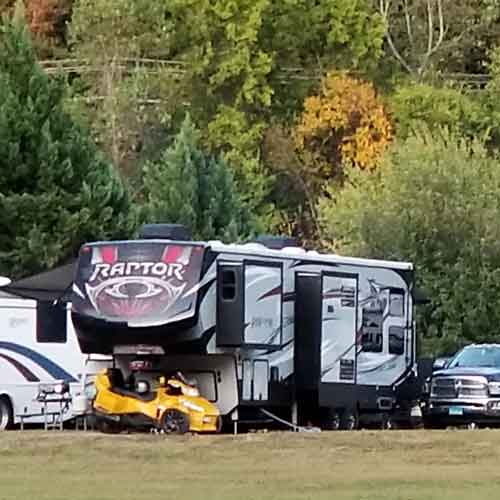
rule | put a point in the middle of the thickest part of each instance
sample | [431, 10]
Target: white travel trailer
[319, 338]
[38, 347]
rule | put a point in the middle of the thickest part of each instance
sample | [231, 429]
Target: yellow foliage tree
[345, 123]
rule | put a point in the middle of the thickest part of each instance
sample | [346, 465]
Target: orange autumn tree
[47, 20]
[345, 124]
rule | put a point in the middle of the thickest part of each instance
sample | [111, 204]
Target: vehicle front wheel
[6, 414]
[174, 422]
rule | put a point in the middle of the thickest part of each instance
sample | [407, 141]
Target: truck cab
[465, 389]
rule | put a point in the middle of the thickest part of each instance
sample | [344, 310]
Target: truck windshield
[477, 357]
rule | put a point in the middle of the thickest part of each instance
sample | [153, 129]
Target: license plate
[455, 410]
[416, 411]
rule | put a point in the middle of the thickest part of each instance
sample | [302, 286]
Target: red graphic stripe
[23, 370]
[109, 255]
[185, 256]
[270, 293]
[172, 253]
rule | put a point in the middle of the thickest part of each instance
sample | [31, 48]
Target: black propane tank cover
[176, 232]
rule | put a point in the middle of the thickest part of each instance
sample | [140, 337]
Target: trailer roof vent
[176, 232]
[276, 242]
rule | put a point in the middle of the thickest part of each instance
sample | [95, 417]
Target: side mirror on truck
[440, 363]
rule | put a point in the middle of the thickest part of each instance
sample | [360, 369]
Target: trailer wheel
[349, 420]
[6, 413]
[107, 427]
[174, 422]
[388, 423]
[332, 420]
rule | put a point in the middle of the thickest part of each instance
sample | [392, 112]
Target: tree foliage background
[426, 205]
[296, 107]
[56, 188]
[186, 186]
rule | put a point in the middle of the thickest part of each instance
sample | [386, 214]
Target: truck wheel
[6, 413]
[174, 422]
[349, 420]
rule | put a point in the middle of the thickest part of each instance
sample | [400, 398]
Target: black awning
[49, 285]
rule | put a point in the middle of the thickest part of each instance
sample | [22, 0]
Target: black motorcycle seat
[147, 396]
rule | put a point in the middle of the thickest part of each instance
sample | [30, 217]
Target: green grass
[391, 465]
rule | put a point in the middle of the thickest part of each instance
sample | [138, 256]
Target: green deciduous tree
[189, 187]
[56, 191]
[246, 52]
[435, 201]
[125, 99]
[417, 103]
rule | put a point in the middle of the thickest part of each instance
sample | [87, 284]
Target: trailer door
[230, 311]
[339, 326]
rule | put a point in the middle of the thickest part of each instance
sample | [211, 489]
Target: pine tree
[56, 189]
[185, 186]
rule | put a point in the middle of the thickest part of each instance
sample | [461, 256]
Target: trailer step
[255, 421]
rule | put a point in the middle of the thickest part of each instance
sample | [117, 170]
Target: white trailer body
[38, 346]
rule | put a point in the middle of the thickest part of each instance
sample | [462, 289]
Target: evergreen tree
[56, 189]
[185, 186]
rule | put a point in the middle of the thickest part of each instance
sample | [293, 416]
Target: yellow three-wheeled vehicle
[173, 406]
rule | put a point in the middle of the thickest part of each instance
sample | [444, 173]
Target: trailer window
[371, 342]
[228, 284]
[51, 323]
[371, 338]
[396, 340]
[206, 383]
[396, 303]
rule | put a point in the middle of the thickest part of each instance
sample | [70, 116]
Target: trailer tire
[349, 420]
[174, 422]
[332, 420]
[6, 413]
[107, 427]
[388, 422]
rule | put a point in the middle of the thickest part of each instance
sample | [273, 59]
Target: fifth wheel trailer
[319, 338]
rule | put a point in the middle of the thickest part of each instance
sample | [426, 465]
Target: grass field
[390, 465]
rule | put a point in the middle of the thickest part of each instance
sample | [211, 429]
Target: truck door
[339, 327]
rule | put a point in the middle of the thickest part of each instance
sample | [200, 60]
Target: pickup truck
[465, 389]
